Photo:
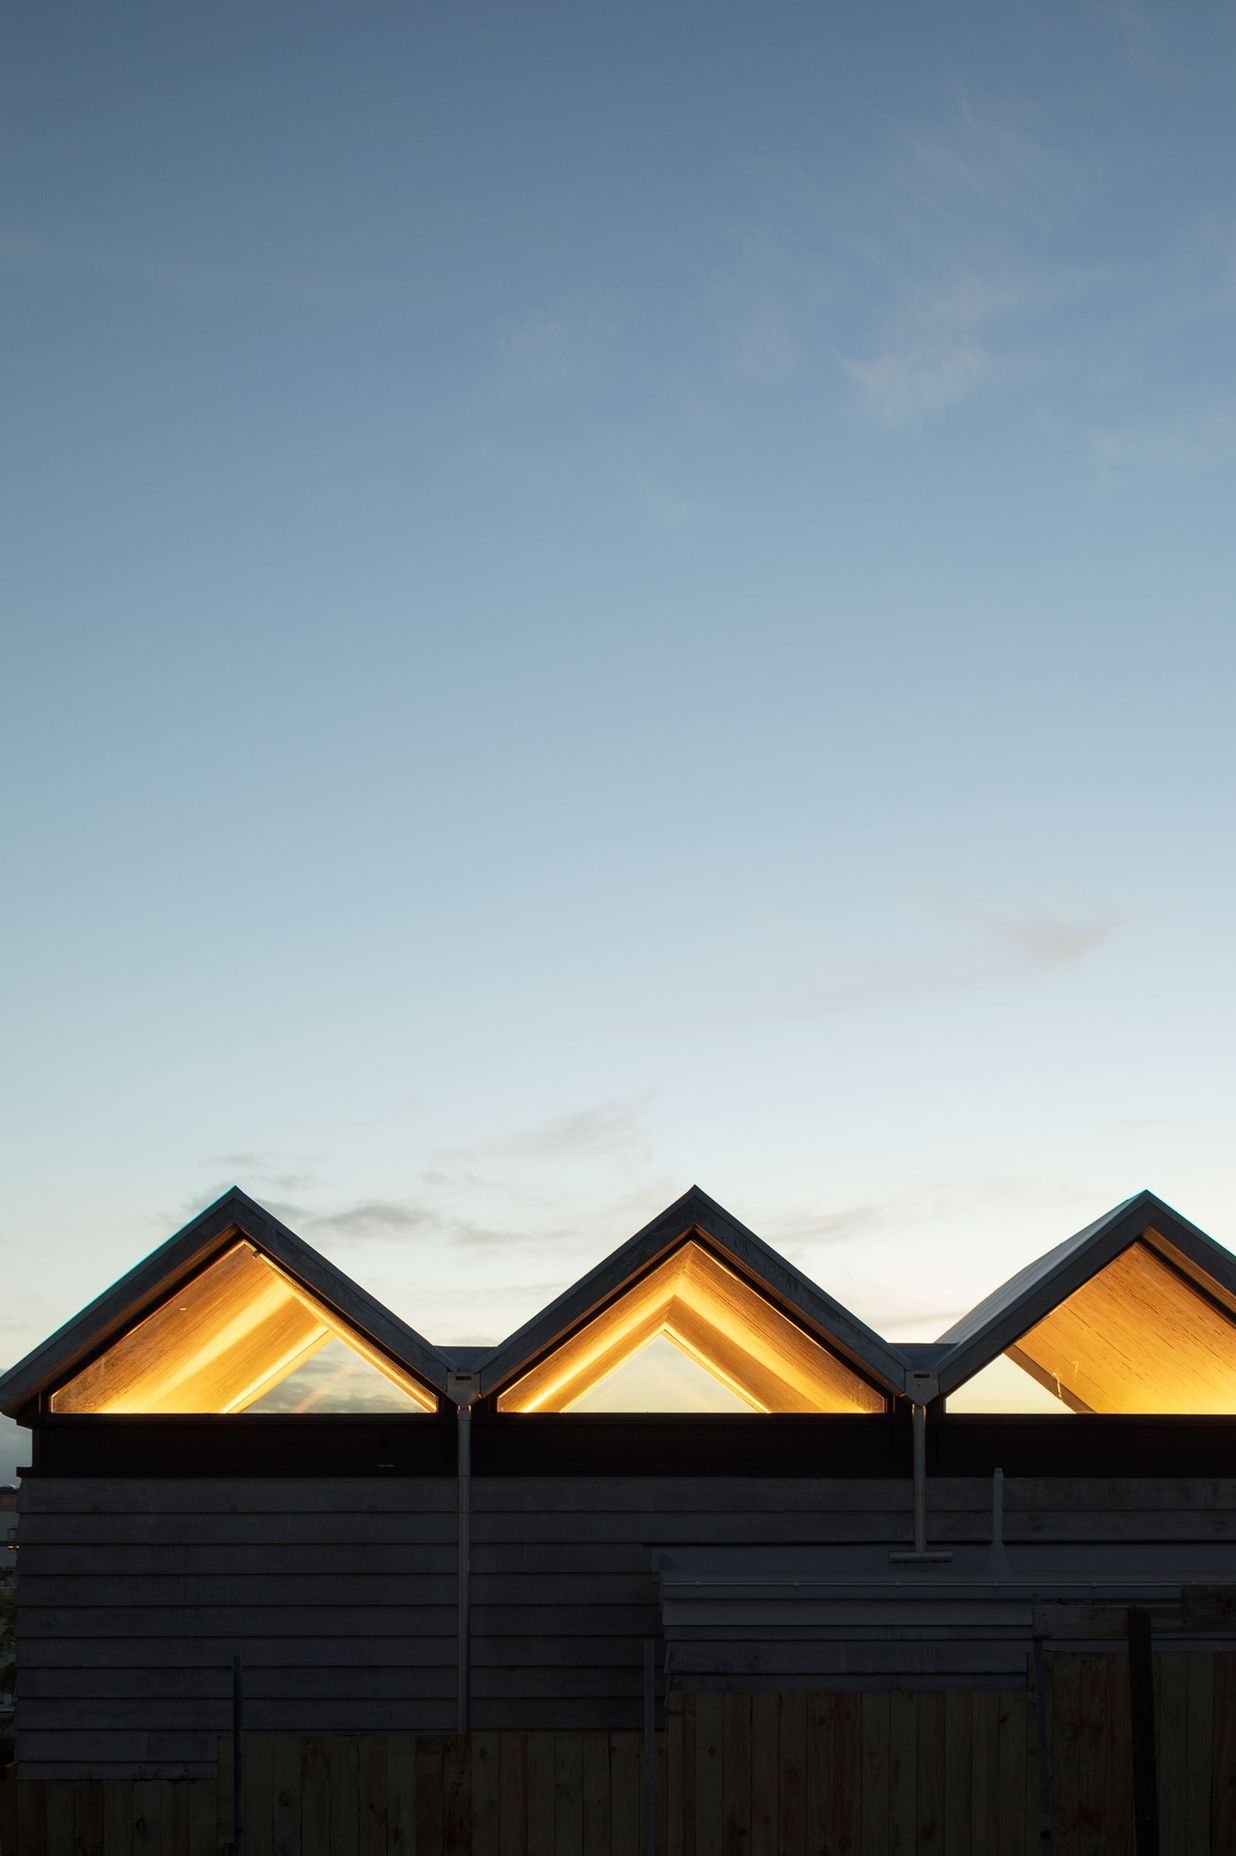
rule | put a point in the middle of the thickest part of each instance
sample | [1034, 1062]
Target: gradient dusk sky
[605, 596]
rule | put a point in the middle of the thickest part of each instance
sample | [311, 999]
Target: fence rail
[841, 1774]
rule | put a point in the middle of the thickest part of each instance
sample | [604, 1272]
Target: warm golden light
[1137, 1338]
[715, 1318]
[217, 1345]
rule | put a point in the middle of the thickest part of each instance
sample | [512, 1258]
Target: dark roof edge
[1009, 1311]
[695, 1210]
[134, 1293]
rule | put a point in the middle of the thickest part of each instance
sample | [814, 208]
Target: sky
[599, 598]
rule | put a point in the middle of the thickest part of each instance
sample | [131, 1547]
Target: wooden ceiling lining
[760, 1350]
[217, 1344]
[1138, 1338]
[721, 1322]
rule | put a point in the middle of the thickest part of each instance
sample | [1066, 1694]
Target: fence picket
[762, 1773]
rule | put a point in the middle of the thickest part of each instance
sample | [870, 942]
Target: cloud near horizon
[1002, 947]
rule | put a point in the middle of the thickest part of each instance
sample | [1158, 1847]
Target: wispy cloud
[390, 1221]
[602, 1127]
[373, 1218]
[928, 268]
[21, 1314]
[900, 388]
[958, 331]
[1178, 441]
[606, 1125]
[998, 948]
[548, 351]
[824, 1227]
[250, 1169]
[1036, 940]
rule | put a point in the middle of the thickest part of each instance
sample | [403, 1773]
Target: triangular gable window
[1002, 1387]
[220, 1343]
[718, 1320]
[659, 1376]
[334, 1379]
[1139, 1337]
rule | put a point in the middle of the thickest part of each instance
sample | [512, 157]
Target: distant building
[486, 1545]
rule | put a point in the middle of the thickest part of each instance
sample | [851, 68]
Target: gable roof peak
[697, 1213]
[1002, 1317]
[149, 1284]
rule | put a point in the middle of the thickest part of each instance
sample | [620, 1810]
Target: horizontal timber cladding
[564, 1567]
[135, 1593]
[586, 1550]
[340, 1592]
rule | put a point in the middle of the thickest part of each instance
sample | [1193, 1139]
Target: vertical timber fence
[918, 1773]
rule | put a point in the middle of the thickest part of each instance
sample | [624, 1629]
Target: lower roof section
[814, 1447]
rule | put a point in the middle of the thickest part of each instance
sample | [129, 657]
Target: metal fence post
[650, 1747]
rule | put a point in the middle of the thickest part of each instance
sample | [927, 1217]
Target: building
[482, 1547]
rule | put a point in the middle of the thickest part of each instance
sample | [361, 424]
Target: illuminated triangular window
[1004, 1387]
[335, 1379]
[660, 1377]
[703, 1308]
[222, 1342]
[1139, 1337]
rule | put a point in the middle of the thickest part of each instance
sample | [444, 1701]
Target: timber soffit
[999, 1321]
[695, 1215]
[144, 1287]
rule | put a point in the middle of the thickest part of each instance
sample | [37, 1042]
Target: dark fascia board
[135, 1294]
[1011, 1310]
[696, 1213]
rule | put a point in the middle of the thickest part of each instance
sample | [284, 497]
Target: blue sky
[604, 597]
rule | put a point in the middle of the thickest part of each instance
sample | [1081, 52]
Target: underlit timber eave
[218, 1344]
[1139, 1337]
[1135, 1315]
[717, 1319]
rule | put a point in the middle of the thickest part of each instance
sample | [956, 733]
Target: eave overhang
[235, 1219]
[697, 1220]
[1168, 1248]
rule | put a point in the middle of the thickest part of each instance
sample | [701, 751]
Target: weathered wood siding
[564, 1588]
[134, 1594]
[340, 1593]
[769, 1774]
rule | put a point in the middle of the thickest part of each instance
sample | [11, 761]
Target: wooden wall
[535, 1794]
[564, 1587]
[340, 1592]
[564, 1593]
[887, 1773]
[957, 1774]
[134, 1593]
